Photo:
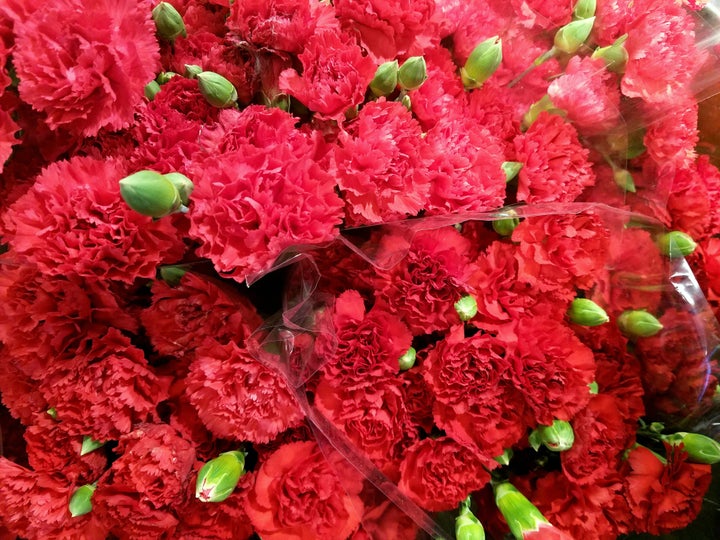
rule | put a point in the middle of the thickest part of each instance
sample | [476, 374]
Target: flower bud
[505, 457]
[172, 274]
[511, 169]
[542, 105]
[467, 526]
[151, 90]
[700, 449]
[585, 312]
[639, 323]
[558, 437]
[52, 413]
[676, 244]
[164, 77]
[482, 63]
[593, 387]
[217, 90]
[149, 193]
[385, 80]
[218, 477]
[466, 308]
[406, 102]
[624, 179]
[520, 514]
[168, 21]
[81, 501]
[192, 71]
[90, 445]
[615, 56]
[183, 185]
[584, 9]
[572, 36]
[506, 226]
[407, 360]
[413, 73]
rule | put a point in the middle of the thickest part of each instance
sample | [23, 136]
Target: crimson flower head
[85, 64]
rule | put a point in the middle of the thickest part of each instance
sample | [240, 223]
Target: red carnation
[140, 495]
[298, 495]
[237, 397]
[382, 165]
[475, 400]
[542, 14]
[181, 316]
[335, 74]
[385, 521]
[555, 164]
[440, 473]
[8, 128]
[689, 203]
[387, 29]
[671, 137]
[19, 392]
[73, 221]
[104, 390]
[492, 107]
[85, 65]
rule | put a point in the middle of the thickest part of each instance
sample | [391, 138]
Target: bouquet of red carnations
[483, 220]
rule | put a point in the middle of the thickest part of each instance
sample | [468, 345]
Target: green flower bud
[571, 37]
[639, 323]
[90, 445]
[385, 80]
[218, 477]
[172, 274]
[520, 514]
[615, 56]
[511, 169]
[168, 21]
[217, 90]
[587, 313]
[676, 244]
[151, 90]
[700, 448]
[558, 437]
[81, 501]
[584, 9]
[413, 73]
[482, 63]
[406, 102]
[624, 179]
[466, 308]
[192, 71]
[183, 185]
[164, 77]
[505, 457]
[542, 105]
[52, 413]
[407, 360]
[149, 193]
[280, 101]
[506, 226]
[594, 388]
[467, 526]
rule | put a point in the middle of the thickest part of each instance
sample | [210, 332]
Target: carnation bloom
[382, 165]
[541, 14]
[8, 128]
[85, 64]
[301, 494]
[335, 74]
[672, 135]
[555, 164]
[73, 220]
[237, 397]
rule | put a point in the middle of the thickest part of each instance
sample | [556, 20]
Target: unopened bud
[593, 387]
[52, 413]
[164, 77]
[413, 73]
[151, 90]
[505, 457]
[218, 477]
[557, 437]
[511, 169]
[571, 37]
[482, 63]
[467, 526]
[407, 360]
[81, 501]
[168, 21]
[624, 179]
[406, 102]
[676, 244]
[585, 312]
[584, 9]
[542, 105]
[639, 323]
[150, 193]
[615, 56]
[385, 80]
[217, 90]
[521, 515]
[466, 308]
[506, 226]
[192, 71]
[90, 445]
[183, 185]
[700, 448]
[172, 274]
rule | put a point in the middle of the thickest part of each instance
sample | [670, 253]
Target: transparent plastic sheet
[287, 343]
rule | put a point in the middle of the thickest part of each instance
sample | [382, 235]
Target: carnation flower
[8, 128]
[73, 221]
[492, 107]
[611, 20]
[140, 495]
[237, 397]
[299, 494]
[75, 63]
[19, 392]
[542, 14]
[440, 473]
[555, 164]
[672, 135]
[335, 74]
[688, 202]
[181, 316]
[104, 390]
[385, 521]
[382, 165]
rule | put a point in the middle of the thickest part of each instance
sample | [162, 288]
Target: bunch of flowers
[533, 369]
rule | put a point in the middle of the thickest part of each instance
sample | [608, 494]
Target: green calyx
[218, 478]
